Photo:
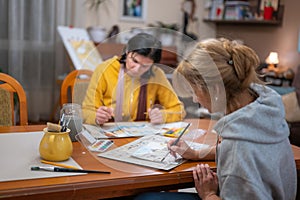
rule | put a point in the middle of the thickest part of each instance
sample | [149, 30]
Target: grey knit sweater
[254, 159]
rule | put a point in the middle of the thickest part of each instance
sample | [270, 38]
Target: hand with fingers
[183, 149]
[156, 116]
[103, 114]
[206, 181]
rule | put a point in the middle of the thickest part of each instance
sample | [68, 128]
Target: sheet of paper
[19, 152]
[130, 129]
[148, 151]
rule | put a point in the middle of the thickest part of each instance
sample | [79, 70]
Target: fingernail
[206, 165]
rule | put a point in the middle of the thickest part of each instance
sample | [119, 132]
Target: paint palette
[101, 145]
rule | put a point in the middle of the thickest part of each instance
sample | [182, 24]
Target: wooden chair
[11, 85]
[74, 86]
[5, 107]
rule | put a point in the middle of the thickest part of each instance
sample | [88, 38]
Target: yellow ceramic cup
[56, 146]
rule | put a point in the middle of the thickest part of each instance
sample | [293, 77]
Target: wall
[263, 39]
[167, 11]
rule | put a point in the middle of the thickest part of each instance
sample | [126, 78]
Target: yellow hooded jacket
[103, 86]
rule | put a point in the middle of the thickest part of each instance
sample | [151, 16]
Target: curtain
[31, 50]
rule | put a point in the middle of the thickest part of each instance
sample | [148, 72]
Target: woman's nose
[136, 65]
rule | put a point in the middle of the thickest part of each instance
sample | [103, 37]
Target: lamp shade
[272, 58]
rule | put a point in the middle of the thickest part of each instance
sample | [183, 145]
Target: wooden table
[117, 184]
[92, 186]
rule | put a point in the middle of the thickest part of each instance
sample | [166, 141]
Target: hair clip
[230, 62]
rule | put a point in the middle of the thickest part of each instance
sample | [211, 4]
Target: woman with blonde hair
[253, 153]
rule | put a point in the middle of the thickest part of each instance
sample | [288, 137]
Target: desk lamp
[272, 61]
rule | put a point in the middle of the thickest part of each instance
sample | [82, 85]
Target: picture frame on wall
[133, 10]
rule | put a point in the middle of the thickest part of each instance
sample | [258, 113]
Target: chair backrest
[11, 85]
[5, 107]
[74, 86]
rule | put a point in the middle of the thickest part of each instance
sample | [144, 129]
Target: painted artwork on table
[150, 151]
[133, 129]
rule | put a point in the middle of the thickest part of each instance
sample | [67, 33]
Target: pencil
[173, 132]
[151, 103]
[177, 140]
[58, 164]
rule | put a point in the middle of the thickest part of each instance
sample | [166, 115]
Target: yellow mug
[56, 146]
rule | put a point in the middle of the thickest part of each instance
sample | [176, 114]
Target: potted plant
[166, 28]
[94, 4]
[165, 32]
[97, 33]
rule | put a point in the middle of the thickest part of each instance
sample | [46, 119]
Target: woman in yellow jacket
[129, 88]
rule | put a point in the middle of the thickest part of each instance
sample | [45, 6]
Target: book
[236, 10]
[217, 9]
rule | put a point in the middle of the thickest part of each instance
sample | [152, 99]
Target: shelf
[244, 22]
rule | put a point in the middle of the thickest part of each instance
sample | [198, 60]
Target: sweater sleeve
[235, 187]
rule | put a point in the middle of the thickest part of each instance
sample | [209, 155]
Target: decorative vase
[56, 146]
[167, 39]
[268, 12]
[98, 34]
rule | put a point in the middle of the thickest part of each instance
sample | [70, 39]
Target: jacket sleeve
[93, 95]
[166, 96]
